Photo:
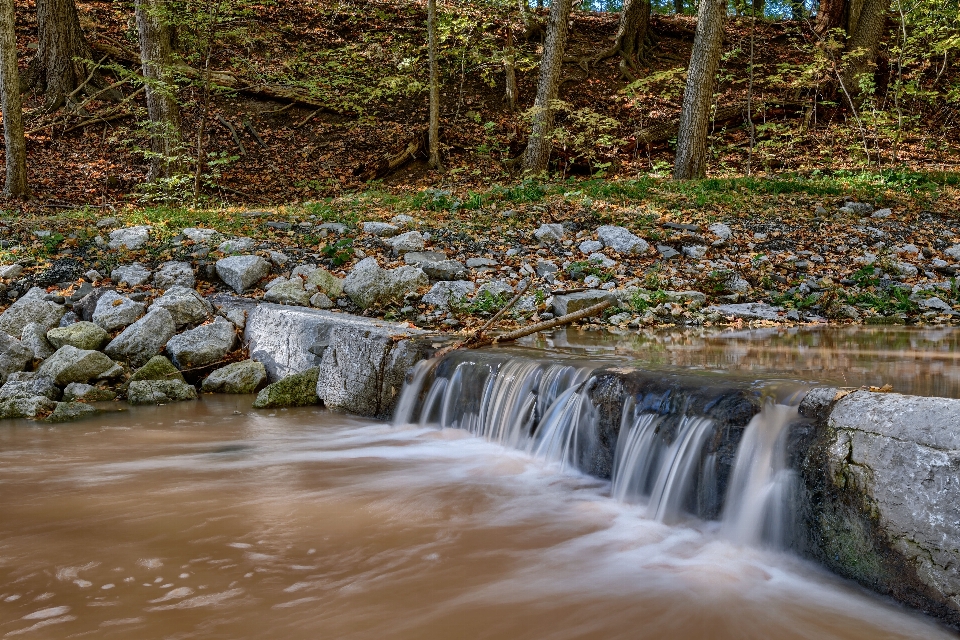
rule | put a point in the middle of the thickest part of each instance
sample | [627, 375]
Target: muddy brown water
[210, 520]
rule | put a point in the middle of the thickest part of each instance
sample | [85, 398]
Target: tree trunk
[15, 143]
[57, 69]
[863, 44]
[691, 160]
[509, 72]
[758, 8]
[631, 37]
[537, 155]
[831, 15]
[162, 108]
[433, 143]
[797, 9]
[678, 7]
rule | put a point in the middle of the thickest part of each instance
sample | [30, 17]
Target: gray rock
[30, 388]
[129, 238]
[444, 270]
[276, 281]
[201, 236]
[881, 213]
[321, 301]
[31, 308]
[174, 274]
[143, 339]
[572, 302]
[71, 412]
[290, 292]
[545, 267]
[905, 269]
[186, 306]
[953, 252]
[695, 251]
[82, 335]
[240, 377]
[620, 318]
[10, 271]
[549, 233]
[298, 390]
[722, 231]
[859, 208]
[886, 471]
[477, 263]
[381, 229]
[14, 356]
[667, 252]
[237, 245]
[80, 392]
[696, 297]
[590, 246]
[496, 288]
[446, 293]
[747, 311]
[92, 276]
[115, 311]
[159, 392]
[31, 408]
[406, 242]
[34, 337]
[132, 274]
[368, 284]
[602, 260]
[325, 282]
[403, 220]
[621, 240]
[335, 227]
[103, 223]
[735, 283]
[936, 304]
[204, 345]
[242, 272]
[70, 364]
[278, 259]
[419, 257]
[157, 368]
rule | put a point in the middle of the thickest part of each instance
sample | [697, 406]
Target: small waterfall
[673, 445]
[757, 507]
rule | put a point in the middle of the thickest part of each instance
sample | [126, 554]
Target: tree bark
[758, 8]
[863, 44]
[10, 102]
[509, 72]
[691, 160]
[433, 143]
[678, 7]
[162, 108]
[537, 154]
[631, 37]
[57, 69]
[830, 15]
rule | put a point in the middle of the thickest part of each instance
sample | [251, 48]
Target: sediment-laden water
[208, 520]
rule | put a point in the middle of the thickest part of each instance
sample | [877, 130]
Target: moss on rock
[298, 390]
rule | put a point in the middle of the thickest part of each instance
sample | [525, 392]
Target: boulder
[14, 356]
[444, 270]
[590, 246]
[881, 478]
[186, 306]
[157, 368]
[30, 388]
[237, 245]
[204, 345]
[242, 272]
[131, 238]
[174, 274]
[407, 242]
[133, 274]
[446, 293]
[159, 392]
[70, 412]
[143, 339]
[31, 408]
[367, 284]
[70, 364]
[382, 229]
[289, 292]
[239, 377]
[82, 335]
[34, 337]
[31, 308]
[419, 257]
[722, 231]
[573, 302]
[321, 301]
[747, 311]
[201, 236]
[548, 233]
[10, 271]
[621, 240]
[115, 311]
[80, 392]
[297, 390]
[325, 282]
[497, 288]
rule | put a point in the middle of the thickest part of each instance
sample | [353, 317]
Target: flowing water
[468, 517]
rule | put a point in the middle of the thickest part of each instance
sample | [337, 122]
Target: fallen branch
[390, 163]
[478, 334]
[666, 129]
[233, 132]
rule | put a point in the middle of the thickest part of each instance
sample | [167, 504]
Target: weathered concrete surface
[362, 361]
[882, 495]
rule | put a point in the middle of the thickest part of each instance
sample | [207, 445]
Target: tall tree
[861, 23]
[15, 143]
[691, 160]
[537, 154]
[156, 50]
[509, 72]
[678, 7]
[58, 67]
[433, 141]
[631, 37]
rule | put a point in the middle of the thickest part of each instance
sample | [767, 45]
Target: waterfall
[670, 449]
